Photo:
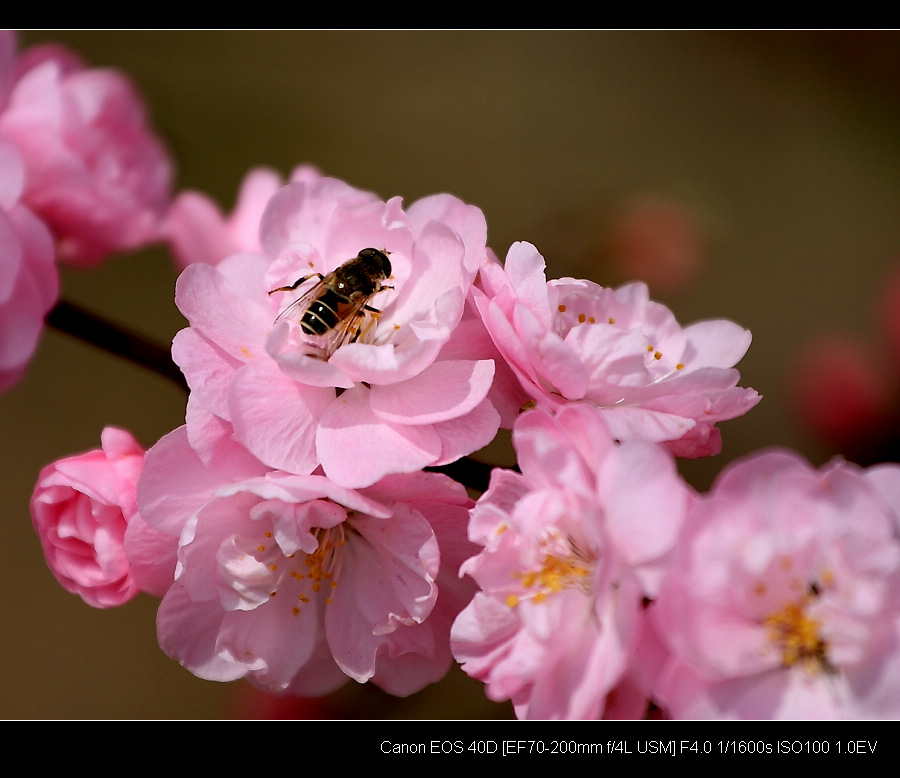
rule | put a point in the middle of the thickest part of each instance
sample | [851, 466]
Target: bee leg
[297, 283]
[367, 325]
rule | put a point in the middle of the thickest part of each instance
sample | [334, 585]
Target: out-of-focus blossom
[888, 311]
[296, 583]
[572, 340]
[570, 549]
[657, 240]
[394, 400]
[845, 389]
[783, 597]
[81, 509]
[95, 172]
[29, 282]
[844, 393]
[198, 231]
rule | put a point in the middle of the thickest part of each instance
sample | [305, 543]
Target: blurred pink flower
[298, 584]
[81, 508]
[843, 391]
[844, 388]
[198, 231]
[29, 282]
[783, 597]
[888, 310]
[572, 340]
[393, 401]
[657, 240]
[95, 172]
[570, 549]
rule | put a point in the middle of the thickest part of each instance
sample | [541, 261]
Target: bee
[335, 310]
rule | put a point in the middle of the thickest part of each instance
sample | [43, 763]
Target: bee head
[379, 259]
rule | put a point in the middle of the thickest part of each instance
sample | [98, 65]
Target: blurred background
[753, 176]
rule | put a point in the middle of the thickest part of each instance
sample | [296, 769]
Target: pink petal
[445, 390]
[467, 434]
[196, 230]
[559, 369]
[174, 483]
[356, 448]
[151, 555]
[718, 343]
[271, 641]
[467, 221]
[275, 417]
[633, 422]
[217, 303]
[207, 368]
[188, 632]
[525, 268]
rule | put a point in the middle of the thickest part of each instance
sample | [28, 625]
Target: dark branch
[110, 337]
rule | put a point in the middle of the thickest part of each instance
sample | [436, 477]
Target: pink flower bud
[81, 507]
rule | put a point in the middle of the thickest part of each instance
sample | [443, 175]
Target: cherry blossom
[198, 231]
[81, 508]
[390, 399]
[29, 281]
[783, 597]
[572, 340]
[571, 546]
[296, 583]
[95, 172]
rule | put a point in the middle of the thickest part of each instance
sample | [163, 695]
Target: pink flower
[199, 232]
[572, 340]
[393, 401]
[297, 583]
[94, 170]
[81, 509]
[841, 391]
[783, 597]
[29, 283]
[571, 547]
[658, 240]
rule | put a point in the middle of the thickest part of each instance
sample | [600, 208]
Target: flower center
[260, 571]
[321, 567]
[568, 568]
[797, 635]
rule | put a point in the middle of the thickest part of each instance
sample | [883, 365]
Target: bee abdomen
[322, 315]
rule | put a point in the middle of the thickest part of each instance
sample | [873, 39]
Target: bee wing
[298, 307]
[354, 320]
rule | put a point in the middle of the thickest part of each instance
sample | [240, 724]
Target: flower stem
[110, 337]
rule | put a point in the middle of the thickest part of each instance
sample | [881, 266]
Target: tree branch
[110, 337]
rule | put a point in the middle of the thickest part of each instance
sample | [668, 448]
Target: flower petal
[443, 391]
[357, 448]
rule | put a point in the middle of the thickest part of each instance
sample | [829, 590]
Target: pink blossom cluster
[571, 340]
[607, 585]
[81, 177]
[782, 600]
[341, 348]
[571, 548]
[290, 527]
[95, 173]
[403, 396]
[297, 583]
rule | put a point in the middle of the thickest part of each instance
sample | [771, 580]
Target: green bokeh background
[783, 144]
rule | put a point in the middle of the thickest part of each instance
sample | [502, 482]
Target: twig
[110, 337]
